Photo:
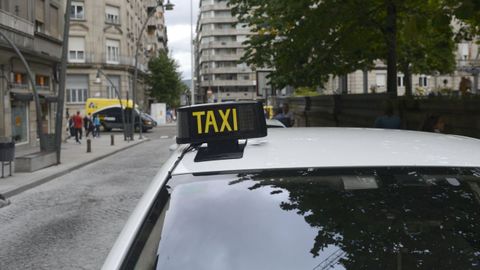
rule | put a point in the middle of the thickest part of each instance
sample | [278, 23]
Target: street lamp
[98, 80]
[168, 6]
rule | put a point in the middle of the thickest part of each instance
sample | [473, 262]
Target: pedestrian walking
[78, 124]
[88, 123]
[96, 125]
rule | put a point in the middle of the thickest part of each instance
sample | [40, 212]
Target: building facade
[36, 29]
[375, 81]
[103, 36]
[221, 76]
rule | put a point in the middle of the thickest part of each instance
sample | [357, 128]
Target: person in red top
[78, 125]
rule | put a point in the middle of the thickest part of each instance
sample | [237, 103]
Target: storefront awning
[49, 98]
[21, 96]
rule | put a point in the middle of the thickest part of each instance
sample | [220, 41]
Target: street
[72, 221]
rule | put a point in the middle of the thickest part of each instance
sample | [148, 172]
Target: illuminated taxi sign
[221, 121]
[227, 123]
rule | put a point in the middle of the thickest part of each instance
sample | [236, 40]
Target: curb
[49, 178]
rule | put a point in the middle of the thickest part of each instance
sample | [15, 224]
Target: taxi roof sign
[218, 122]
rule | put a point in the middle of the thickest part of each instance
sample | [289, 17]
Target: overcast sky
[178, 29]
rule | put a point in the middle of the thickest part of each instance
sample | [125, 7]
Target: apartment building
[36, 28]
[218, 48]
[103, 36]
[375, 81]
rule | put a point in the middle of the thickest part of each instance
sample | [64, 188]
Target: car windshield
[402, 218]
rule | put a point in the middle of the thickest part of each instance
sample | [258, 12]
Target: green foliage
[305, 92]
[165, 80]
[307, 40]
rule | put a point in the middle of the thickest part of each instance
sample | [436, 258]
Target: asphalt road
[73, 221]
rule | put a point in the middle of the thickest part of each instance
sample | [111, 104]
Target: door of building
[20, 121]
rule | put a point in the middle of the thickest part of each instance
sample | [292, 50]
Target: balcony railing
[17, 23]
[111, 20]
[123, 60]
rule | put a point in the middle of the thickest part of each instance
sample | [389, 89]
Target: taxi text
[217, 121]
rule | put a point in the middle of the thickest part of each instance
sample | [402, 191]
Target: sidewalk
[74, 156]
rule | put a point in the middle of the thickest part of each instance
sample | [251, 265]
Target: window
[111, 93]
[112, 14]
[226, 77]
[42, 82]
[225, 64]
[401, 81]
[223, 13]
[76, 51]
[226, 51]
[245, 77]
[381, 80]
[423, 81]
[20, 80]
[54, 25]
[40, 16]
[226, 38]
[224, 26]
[463, 50]
[113, 51]
[77, 89]
[77, 11]
[39, 26]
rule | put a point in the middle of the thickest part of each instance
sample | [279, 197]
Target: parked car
[149, 117]
[111, 118]
[233, 197]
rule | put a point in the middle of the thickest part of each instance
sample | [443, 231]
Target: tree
[425, 42]
[164, 80]
[306, 40]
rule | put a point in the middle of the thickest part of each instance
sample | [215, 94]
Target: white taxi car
[233, 197]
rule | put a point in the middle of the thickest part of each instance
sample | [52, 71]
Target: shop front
[20, 121]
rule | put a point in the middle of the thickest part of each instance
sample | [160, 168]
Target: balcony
[112, 20]
[123, 60]
[221, 44]
[468, 63]
[220, 57]
[226, 70]
[217, 6]
[215, 83]
[87, 59]
[224, 32]
[209, 20]
[19, 24]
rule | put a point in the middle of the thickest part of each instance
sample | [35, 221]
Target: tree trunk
[391, 38]
[408, 81]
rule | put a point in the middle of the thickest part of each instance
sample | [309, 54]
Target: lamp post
[192, 60]
[168, 6]
[98, 80]
[62, 83]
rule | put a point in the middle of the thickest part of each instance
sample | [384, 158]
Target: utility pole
[62, 83]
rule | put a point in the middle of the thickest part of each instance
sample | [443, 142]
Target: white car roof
[344, 147]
